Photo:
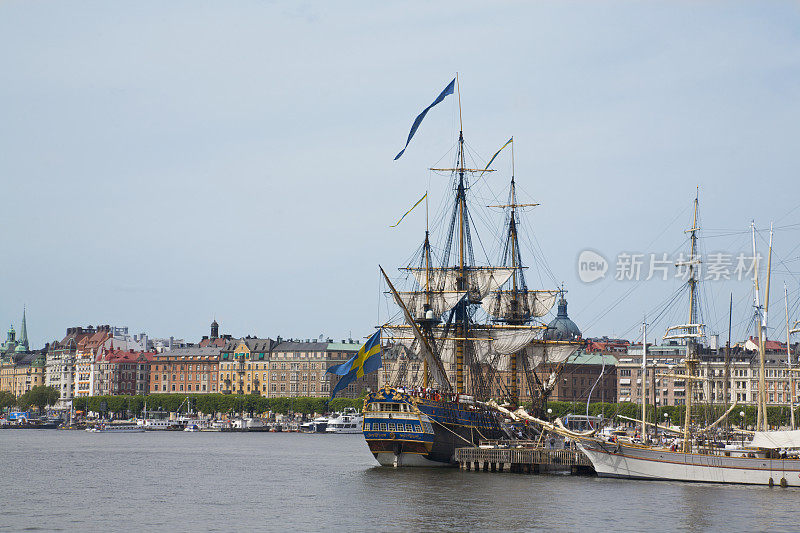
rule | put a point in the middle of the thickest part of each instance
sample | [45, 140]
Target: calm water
[74, 480]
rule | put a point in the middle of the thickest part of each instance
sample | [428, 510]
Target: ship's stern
[397, 433]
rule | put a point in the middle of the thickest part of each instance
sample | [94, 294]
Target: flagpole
[458, 88]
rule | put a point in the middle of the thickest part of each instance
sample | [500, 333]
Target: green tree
[40, 397]
[7, 399]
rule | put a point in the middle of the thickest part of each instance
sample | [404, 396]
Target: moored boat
[116, 428]
[318, 425]
[424, 429]
[461, 327]
[767, 460]
[349, 421]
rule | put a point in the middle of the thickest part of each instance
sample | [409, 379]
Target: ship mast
[691, 331]
[461, 315]
[726, 383]
[512, 228]
[692, 360]
[427, 251]
[789, 357]
[761, 421]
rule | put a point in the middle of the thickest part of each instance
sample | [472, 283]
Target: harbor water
[176, 481]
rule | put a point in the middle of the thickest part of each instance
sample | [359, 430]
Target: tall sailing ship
[770, 458]
[459, 330]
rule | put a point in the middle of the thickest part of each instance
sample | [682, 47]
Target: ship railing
[508, 443]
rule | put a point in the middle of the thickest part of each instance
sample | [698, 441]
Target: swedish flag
[368, 359]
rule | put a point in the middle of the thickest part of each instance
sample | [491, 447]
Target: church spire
[23, 332]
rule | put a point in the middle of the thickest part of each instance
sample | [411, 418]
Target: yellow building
[20, 374]
[243, 366]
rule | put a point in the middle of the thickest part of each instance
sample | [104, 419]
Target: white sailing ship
[770, 458]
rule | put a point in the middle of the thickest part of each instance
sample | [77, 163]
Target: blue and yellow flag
[367, 360]
[407, 212]
[511, 140]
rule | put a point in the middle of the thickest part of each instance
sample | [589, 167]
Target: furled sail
[480, 281]
[506, 304]
[440, 302]
[511, 341]
[549, 352]
[485, 343]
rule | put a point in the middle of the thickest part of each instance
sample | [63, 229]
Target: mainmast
[461, 314]
[512, 228]
[427, 252]
[691, 331]
[692, 360]
[761, 421]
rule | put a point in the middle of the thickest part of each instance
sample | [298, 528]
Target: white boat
[350, 421]
[767, 460]
[770, 458]
[248, 423]
[318, 425]
[157, 424]
[196, 425]
[116, 428]
[217, 425]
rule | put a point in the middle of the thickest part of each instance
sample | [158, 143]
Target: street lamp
[549, 413]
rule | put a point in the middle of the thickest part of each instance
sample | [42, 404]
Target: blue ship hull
[404, 429]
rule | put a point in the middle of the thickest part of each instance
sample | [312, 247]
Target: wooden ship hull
[404, 429]
[630, 461]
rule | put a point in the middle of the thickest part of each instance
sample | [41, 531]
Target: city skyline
[236, 162]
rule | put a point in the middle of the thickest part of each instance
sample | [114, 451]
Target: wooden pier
[525, 460]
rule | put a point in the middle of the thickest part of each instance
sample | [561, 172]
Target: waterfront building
[86, 375]
[21, 372]
[192, 369]
[586, 376]
[607, 345]
[666, 361]
[243, 366]
[298, 368]
[123, 372]
[60, 364]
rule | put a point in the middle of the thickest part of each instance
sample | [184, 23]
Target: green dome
[20, 348]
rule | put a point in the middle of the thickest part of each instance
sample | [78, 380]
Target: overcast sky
[163, 164]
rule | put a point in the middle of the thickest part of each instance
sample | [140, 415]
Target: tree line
[252, 404]
[777, 415]
[40, 397]
[43, 396]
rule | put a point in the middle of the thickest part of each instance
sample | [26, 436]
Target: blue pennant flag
[417, 121]
[368, 359]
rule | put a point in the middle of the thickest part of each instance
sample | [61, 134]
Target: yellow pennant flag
[412, 208]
